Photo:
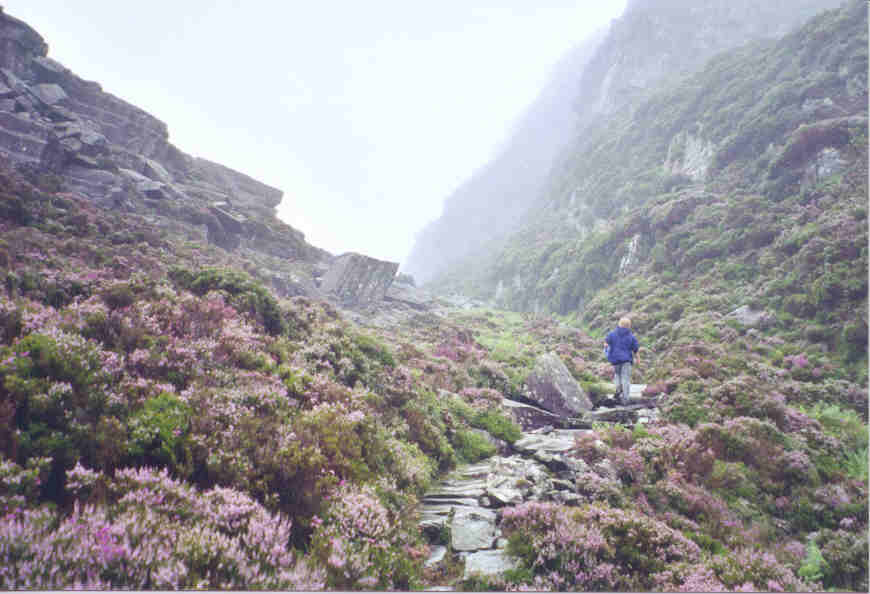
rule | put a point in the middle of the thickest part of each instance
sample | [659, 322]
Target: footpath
[461, 514]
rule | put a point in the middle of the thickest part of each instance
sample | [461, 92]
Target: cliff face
[660, 39]
[654, 41]
[52, 122]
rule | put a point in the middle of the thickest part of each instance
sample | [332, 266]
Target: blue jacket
[622, 345]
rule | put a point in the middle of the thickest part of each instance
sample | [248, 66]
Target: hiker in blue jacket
[621, 347]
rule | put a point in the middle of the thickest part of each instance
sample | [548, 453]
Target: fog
[366, 114]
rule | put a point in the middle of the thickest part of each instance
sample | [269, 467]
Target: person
[621, 347]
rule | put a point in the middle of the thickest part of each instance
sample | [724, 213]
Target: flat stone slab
[479, 470]
[491, 562]
[531, 417]
[557, 441]
[472, 529]
[451, 489]
[436, 556]
[505, 495]
[450, 502]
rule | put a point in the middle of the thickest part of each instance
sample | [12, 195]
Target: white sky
[367, 114]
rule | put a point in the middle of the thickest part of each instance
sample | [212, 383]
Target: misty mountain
[494, 199]
[654, 41]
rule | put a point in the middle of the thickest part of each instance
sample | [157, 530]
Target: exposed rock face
[551, 386]
[119, 156]
[655, 39]
[357, 280]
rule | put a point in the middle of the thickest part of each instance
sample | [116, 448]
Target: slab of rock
[461, 489]
[472, 529]
[355, 279]
[505, 495]
[552, 386]
[487, 563]
[231, 221]
[49, 93]
[436, 556]
[558, 441]
[450, 501]
[530, 417]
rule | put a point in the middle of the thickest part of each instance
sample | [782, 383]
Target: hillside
[651, 43]
[730, 188]
[185, 409]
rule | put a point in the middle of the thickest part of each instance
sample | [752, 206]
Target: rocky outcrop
[357, 280]
[120, 157]
[750, 318]
[551, 386]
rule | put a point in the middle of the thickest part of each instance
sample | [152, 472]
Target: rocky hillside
[56, 125]
[173, 416]
[654, 41]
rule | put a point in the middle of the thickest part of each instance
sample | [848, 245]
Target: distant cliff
[654, 41]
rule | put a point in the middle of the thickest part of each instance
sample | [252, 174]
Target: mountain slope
[652, 42]
[54, 123]
[168, 421]
[745, 174]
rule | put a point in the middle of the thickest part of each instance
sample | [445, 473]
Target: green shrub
[857, 464]
[118, 296]
[158, 431]
[814, 565]
[472, 446]
[246, 294]
[497, 424]
[372, 348]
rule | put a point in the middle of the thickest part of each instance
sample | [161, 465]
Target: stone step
[453, 489]
[487, 563]
[556, 441]
[467, 501]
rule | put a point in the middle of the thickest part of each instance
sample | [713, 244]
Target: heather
[205, 374]
[272, 443]
[175, 414]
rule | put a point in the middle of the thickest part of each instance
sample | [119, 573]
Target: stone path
[461, 514]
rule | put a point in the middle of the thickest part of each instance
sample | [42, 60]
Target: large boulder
[551, 386]
[357, 280]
